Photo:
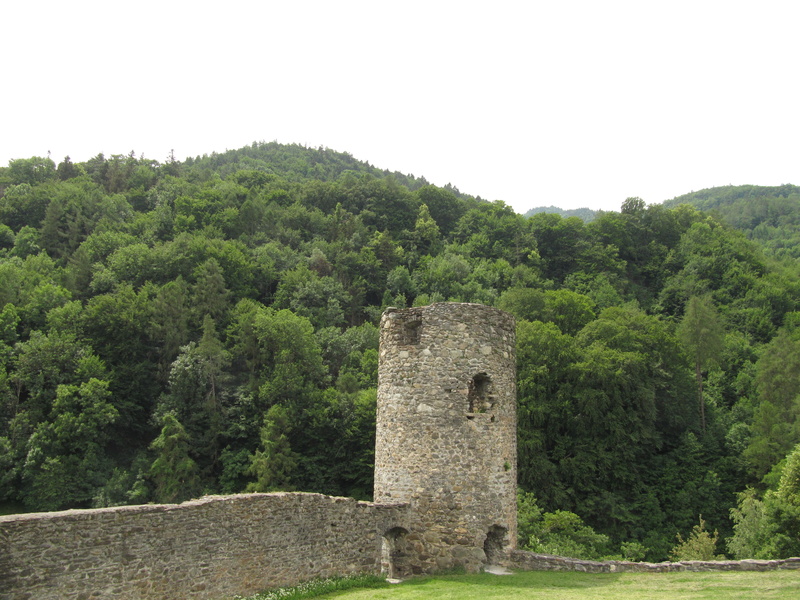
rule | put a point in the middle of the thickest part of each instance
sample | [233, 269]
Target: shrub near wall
[211, 548]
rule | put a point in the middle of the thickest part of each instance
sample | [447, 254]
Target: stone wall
[446, 433]
[530, 561]
[212, 548]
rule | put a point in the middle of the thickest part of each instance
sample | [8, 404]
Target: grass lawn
[549, 585]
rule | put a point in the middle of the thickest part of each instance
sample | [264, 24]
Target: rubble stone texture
[446, 434]
[207, 549]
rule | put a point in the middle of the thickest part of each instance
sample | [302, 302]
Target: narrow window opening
[411, 332]
[479, 394]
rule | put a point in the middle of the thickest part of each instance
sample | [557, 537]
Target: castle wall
[446, 432]
[530, 561]
[212, 548]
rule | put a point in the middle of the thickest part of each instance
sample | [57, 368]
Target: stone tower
[446, 434]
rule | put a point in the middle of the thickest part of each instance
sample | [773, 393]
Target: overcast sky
[573, 104]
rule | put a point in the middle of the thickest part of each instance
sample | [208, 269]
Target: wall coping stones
[204, 500]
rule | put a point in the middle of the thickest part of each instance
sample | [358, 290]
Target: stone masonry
[210, 549]
[446, 434]
[530, 561]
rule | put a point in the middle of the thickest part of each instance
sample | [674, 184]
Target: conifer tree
[273, 465]
[173, 471]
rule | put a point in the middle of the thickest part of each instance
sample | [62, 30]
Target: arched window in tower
[479, 394]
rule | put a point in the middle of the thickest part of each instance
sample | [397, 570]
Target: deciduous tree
[702, 334]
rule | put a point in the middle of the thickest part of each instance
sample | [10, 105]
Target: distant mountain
[769, 215]
[740, 195]
[585, 214]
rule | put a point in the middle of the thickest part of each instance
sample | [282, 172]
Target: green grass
[549, 585]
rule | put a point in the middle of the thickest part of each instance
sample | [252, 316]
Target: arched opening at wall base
[395, 558]
[494, 546]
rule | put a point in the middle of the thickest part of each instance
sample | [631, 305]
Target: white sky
[570, 103]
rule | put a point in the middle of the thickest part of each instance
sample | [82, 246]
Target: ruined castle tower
[446, 434]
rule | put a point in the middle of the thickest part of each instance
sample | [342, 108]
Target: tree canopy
[210, 326]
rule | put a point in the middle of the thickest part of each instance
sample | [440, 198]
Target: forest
[179, 328]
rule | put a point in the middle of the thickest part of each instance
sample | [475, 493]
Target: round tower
[446, 432]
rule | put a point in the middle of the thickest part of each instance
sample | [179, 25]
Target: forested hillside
[767, 215]
[209, 326]
[585, 214]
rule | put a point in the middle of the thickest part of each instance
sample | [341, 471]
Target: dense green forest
[585, 214]
[209, 326]
[767, 215]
